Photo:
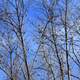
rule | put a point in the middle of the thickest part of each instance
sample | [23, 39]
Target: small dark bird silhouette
[50, 17]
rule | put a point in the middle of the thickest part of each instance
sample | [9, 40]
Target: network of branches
[39, 39]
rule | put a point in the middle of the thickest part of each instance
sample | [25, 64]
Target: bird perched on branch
[50, 14]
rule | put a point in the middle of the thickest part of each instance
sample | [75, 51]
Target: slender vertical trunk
[24, 54]
[60, 64]
[49, 66]
[66, 38]
[11, 65]
[20, 21]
